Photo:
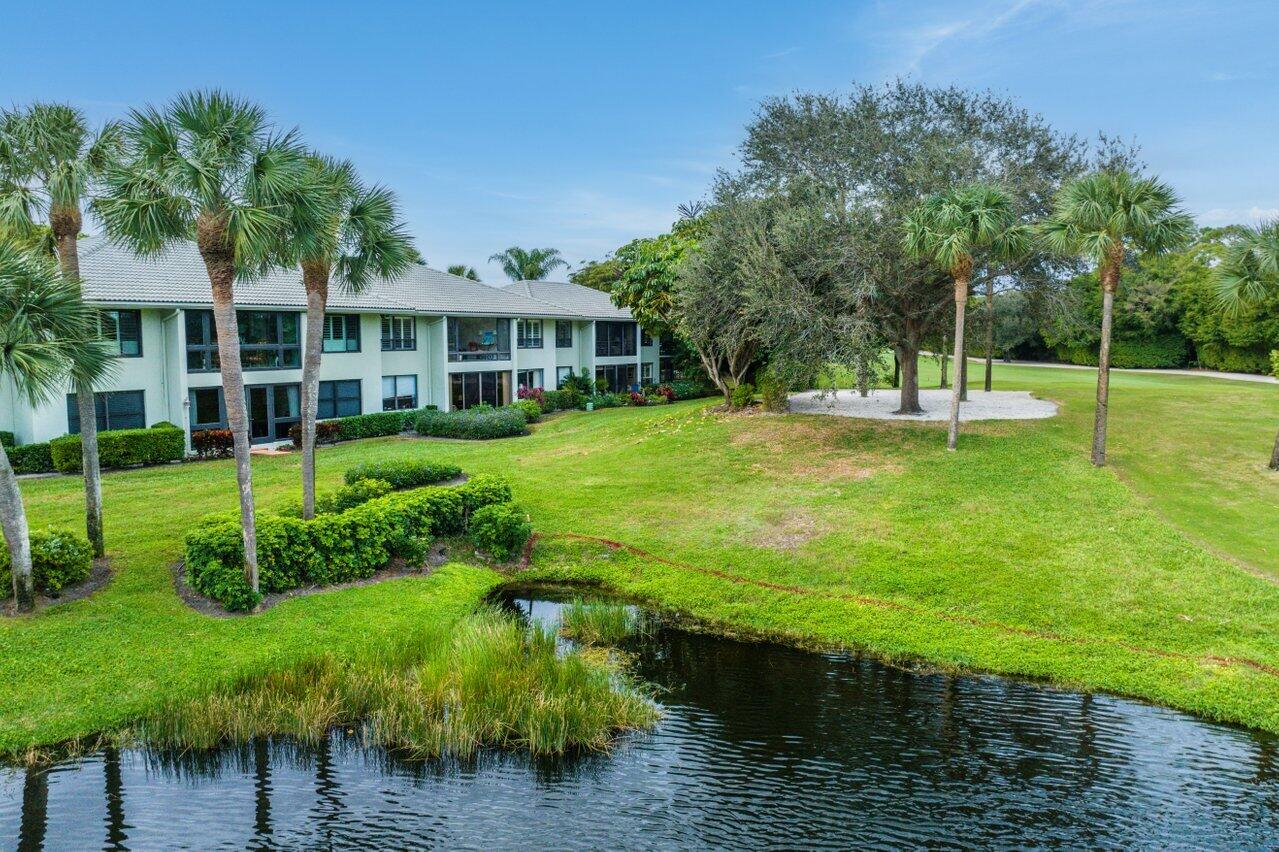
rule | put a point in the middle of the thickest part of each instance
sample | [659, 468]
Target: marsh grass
[452, 688]
[599, 623]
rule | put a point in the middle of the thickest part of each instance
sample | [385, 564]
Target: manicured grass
[1012, 555]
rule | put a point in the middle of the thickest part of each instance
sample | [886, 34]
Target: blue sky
[581, 125]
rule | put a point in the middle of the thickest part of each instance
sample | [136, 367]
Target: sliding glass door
[489, 388]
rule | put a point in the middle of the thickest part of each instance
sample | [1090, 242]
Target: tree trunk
[65, 223]
[1274, 455]
[86, 406]
[219, 261]
[897, 369]
[1109, 283]
[908, 358]
[963, 378]
[961, 300]
[944, 356]
[13, 519]
[315, 277]
[990, 330]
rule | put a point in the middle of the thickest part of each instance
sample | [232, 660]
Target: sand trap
[996, 405]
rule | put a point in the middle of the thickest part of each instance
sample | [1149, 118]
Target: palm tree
[49, 163]
[461, 270]
[1249, 273]
[340, 226]
[43, 329]
[528, 264]
[1101, 217]
[946, 229]
[208, 167]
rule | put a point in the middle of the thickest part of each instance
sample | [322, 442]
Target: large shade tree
[45, 333]
[1249, 274]
[875, 153]
[344, 232]
[208, 167]
[50, 163]
[948, 229]
[1103, 217]
[528, 264]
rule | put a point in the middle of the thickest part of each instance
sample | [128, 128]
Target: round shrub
[743, 395]
[403, 473]
[352, 495]
[479, 423]
[532, 410]
[213, 443]
[59, 558]
[500, 530]
[483, 490]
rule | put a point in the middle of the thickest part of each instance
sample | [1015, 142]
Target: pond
[759, 745]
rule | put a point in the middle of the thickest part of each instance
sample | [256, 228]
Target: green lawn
[1013, 555]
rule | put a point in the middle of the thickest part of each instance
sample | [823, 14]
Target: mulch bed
[99, 576]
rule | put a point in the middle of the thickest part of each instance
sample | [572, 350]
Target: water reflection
[760, 745]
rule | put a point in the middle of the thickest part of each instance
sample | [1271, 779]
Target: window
[207, 409]
[269, 340]
[115, 410]
[341, 333]
[646, 373]
[399, 333]
[564, 334]
[479, 339]
[620, 377]
[614, 339]
[529, 378]
[490, 388]
[399, 393]
[562, 373]
[528, 334]
[338, 399]
[646, 339]
[124, 328]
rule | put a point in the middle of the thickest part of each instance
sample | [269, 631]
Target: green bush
[772, 392]
[689, 389]
[499, 530]
[59, 558]
[564, 399]
[403, 474]
[7, 439]
[122, 448]
[331, 548]
[374, 425]
[1233, 359]
[1160, 351]
[604, 399]
[479, 423]
[31, 458]
[743, 395]
[532, 411]
[1274, 363]
[352, 495]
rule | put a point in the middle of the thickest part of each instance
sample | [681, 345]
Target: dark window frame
[563, 334]
[105, 316]
[102, 411]
[501, 347]
[199, 425]
[349, 322]
[615, 339]
[620, 377]
[288, 356]
[334, 398]
[477, 387]
[392, 342]
[530, 372]
[396, 397]
[526, 340]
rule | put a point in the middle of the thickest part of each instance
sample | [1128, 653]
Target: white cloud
[1218, 216]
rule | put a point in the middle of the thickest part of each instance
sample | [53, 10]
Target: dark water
[759, 746]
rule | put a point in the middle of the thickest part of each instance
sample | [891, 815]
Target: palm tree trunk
[944, 357]
[13, 519]
[963, 377]
[961, 300]
[65, 223]
[1109, 283]
[315, 277]
[990, 330]
[1274, 455]
[220, 262]
[87, 408]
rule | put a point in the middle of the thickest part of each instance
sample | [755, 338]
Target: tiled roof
[574, 298]
[112, 274]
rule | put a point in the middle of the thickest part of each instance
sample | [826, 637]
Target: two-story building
[426, 338]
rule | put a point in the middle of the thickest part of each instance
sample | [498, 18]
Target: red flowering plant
[666, 391]
[638, 399]
[536, 394]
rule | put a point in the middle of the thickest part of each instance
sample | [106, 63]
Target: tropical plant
[208, 167]
[50, 162]
[1249, 273]
[43, 325]
[461, 270]
[338, 226]
[528, 264]
[1101, 217]
[947, 229]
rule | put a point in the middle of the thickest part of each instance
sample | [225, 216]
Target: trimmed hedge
[403, 474]
[8, 439]
[479, 423]
[1233, 359]
[564, 399]
[122, 447]
[337, 548]
[1165, 350]
[350, 496]
[31, 458]
[531, 408]
[59, 558]
[500, 530]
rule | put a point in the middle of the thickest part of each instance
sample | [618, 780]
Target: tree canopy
[528, 264]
